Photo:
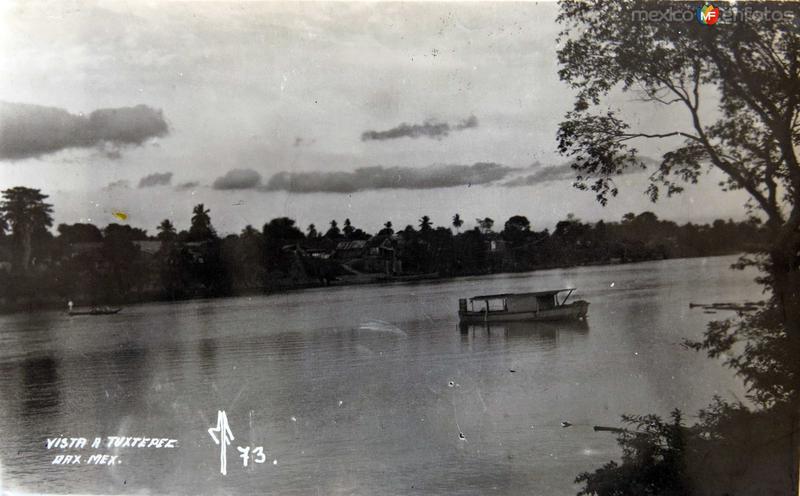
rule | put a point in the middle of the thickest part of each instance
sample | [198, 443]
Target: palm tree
[334, 231]
[457, 222]
[166, 231]
[201, 228]
[24, 211]
[425, 223]
[348, 228]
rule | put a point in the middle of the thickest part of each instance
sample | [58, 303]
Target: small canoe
[536, 306]
[94, 311]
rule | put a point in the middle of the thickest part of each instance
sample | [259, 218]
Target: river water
[360, 389]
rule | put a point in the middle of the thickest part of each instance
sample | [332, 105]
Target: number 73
[257, 453]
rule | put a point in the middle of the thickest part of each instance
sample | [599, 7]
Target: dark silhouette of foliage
[653, 460]
[122, 263]
[312, 231]
[748, 73]
[425, 224]
[457, 222]
[387, 229]
[166, 231]
[26, 213]
[201, 228]
[79, 233]
[485, 224]
[334, 232]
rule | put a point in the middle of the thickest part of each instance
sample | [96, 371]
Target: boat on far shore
[94, 311]
[534, 306]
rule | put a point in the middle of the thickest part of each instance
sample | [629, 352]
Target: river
[362, 389]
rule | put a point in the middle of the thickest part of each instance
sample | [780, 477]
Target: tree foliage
[738, 86]
[653, 460]
[25, 212]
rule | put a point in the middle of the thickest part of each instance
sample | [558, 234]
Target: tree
[282, 229]
[312, 231]
[334, 232]
[751, 72]
[25, 212]
[278, 233]
[655, 450]
[516, 229]
[387, 229]
[166, 231]
[123, 269]
[250, 258]
[425, 224]
[79, 233]
[125, 231]
[485, 224]
[201, 228]
[738, 86]
[348, 229]
[457, 222]
[249, 231]
[517, 223]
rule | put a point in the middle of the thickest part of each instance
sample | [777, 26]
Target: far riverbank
[42, 303]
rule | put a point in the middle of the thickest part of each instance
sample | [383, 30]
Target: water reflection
[208, 355]
[539, 332]
[128, 366]
[40, 391]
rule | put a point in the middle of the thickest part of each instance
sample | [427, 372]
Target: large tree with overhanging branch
[737, 85]
[26, 213]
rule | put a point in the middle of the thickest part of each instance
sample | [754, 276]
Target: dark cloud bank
[120, 184]
[543, 175]
[32, 130]
[563, 172]
[156, 179]
[238, 179]
[378, 177]
[429, 129]
[187, 186]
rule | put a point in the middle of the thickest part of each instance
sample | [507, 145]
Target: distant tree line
[122, 263]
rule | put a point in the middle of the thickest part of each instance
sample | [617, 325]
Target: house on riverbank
[377, 255]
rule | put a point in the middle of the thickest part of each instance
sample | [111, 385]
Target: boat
[95, 311]
[535, 306]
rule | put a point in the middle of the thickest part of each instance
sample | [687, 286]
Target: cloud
[544, 175]
[238, 179]
[120, 184]
[186, 186]
[379, 177]
[563, 172]
[33, 130]
[155, 179]
[429, 129]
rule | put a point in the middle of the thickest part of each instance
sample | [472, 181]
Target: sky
[315, 111]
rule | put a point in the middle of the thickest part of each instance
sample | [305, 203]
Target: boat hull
[572, 311]
[93, 312]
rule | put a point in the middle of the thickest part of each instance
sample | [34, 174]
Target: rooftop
[534, 293]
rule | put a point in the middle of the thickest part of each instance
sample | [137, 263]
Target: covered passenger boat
[539, 305]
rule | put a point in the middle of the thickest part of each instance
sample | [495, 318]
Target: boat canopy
[510, 295]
